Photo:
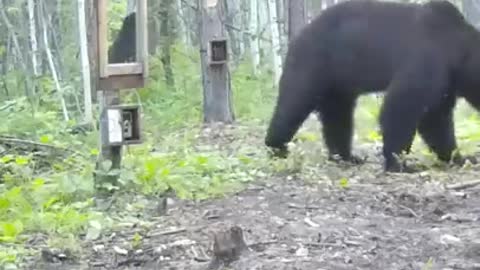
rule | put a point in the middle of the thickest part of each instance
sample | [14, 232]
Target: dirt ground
[378, 221]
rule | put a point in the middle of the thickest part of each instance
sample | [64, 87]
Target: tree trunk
[54, 70]
[472, 12]
[33, 37]
[275, 39]
[217, 105]
[254, 36]
[296, 17]
[231, 19]
[85, 67]
[182, 24]
[166, 35]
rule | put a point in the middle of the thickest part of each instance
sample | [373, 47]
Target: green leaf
[6, 159]
[344, 182]
[38, 183]
[307, 136]
[11, 230]
[21, 160]
[4, 203]
[374, 136]
[137, 240]
[50, 202]
[202, 160]
[94, 152]
[45, 139]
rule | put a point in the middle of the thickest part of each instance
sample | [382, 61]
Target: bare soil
[376, 221]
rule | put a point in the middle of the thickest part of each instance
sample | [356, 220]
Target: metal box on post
[123, 125]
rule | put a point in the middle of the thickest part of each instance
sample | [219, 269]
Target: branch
[9, 140]
[464, 185]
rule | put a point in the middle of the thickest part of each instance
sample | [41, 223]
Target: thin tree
[85, 64]
[53, 70]
[275, 39]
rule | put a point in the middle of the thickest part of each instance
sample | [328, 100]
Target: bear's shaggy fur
[423, 56]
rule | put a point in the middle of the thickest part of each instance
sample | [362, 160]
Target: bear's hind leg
[437, 130]
[336, 116]
[419, 87]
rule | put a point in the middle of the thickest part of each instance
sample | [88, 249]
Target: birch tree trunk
[245, 14]
[17, 52]
[263, 27]
[182, 24]
[53, 69]
[232, 14]
[472, 12]
[254, 36]
[85, 64]
[281, 19]
[275, 39]
[33, 38]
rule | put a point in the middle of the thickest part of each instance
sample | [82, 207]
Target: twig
[169, 232]
[464, 185]
[264, 243]
[408, 209]
[319, 245]
[197, 257]
[307, 207]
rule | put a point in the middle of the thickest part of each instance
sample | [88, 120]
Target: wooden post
[296, 17]
[112, 153]
[217, 103]
[92, 39]
[109, 79]
[105, 98]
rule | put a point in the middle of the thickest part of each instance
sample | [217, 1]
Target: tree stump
[227, 247]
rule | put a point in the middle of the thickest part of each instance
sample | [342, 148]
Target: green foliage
[39, 205]
[167, 109]
[116, 12]
[253, 96]
[47, 190]
[190, 174]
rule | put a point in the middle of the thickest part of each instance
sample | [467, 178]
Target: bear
[123, 48]
[421, 56]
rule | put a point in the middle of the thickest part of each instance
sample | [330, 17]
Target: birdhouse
[218, 51]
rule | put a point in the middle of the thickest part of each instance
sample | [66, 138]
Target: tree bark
[217, 104]
[85, 64]
[296, 17]
[275, 39]
[54, 70]
[166, 36]
[254, 36]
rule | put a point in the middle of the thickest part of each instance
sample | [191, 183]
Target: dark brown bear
[423, 56]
